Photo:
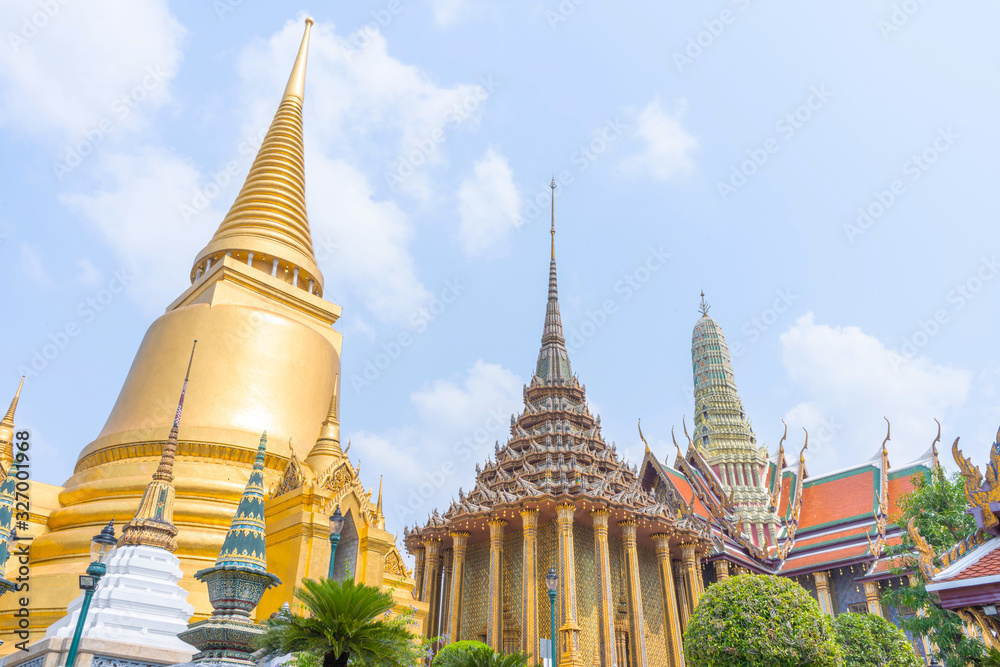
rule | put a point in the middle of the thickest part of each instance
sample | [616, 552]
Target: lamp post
[551, 582]
[336, 525]
[102, 545]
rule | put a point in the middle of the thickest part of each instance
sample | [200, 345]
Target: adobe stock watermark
[713, 29]
[786, 127]
[470, 445]
[957, 298]
[418, 323]
[625, 288]
[582, 159]
[74, 153]
[219, 180]
[34, 23]
[86, 312]
[760, 323]
[913, 170]
[899, 16]
[421, 151]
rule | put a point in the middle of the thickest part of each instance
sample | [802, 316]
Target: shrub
[449, 654]
[759, 621]
[872, 641]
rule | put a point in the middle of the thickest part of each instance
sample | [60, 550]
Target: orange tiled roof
[824, 558]
[857, 532]
[899, 487]
[841, 497]
[786, 486]
[684, 488]
[988, 565]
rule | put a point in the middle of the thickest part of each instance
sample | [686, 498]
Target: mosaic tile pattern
[652, 606]
[475, 591]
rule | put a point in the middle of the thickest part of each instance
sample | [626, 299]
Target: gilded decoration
[394, 565]
[980, 492]
[292, 478]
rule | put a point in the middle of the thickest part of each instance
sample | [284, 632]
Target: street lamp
[100, 547]
[551, 582]
[336, 525]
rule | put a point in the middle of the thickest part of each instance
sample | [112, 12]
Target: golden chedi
[268, 359]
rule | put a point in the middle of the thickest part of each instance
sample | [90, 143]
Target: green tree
[937, 505]
[871, 641]
[759, 621]
[477, 654]
[346, 621]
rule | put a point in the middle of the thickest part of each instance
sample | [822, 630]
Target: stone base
[137, 602]
[51, 652]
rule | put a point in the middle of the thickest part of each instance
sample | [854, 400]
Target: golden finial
[327, 450]
[7, 432]
[378, 506]
[704, 306]
[643, 438]
[934, 452]
[297, 80]
[552, 186]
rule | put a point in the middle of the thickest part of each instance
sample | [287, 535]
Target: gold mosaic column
[605, 605]
[444, 595]
[672, 624]
[432, 551]
[569, 633]
[637, 629]
[418, 572]
[823, 592]
[460, 540]
[529, 584]
[691, 574]
[721, 570]
[684, 604]
[494, 615]
[872, 598]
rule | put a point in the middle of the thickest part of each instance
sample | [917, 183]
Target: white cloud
[138, 215]
[667, 145]
[488, 204]
[848, 380]
[449, 12]
[458, 421]
[66, 65]
[33, 268]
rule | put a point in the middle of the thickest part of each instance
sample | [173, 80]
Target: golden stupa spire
[267, 226]
[152, 524]
[327, 448]
[7, 433]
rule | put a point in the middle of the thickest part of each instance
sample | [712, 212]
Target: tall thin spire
[703, 308]
[267, 226]
[7, 432]
[153, 524]
[553, 359]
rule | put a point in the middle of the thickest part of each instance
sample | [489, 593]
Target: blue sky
[825, 174]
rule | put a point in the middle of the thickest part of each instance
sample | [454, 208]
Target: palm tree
[346, 621]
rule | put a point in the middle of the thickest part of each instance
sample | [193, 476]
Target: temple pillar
[605, 604]
[418, 572]
[671, 617]
[721, 570]
[460, 540]
[494, 614]
[823, 592]
[691, 574]
[529, 584]
[432, 561]
[872, 598]
[700, 569]
[637, 628]
[569, 633]
[683, 603]
[444, 594]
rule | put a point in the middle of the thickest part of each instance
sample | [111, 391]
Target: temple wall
[547, 557]
[652, 607]
[846, 591]
[475, 591]
[586, 591]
